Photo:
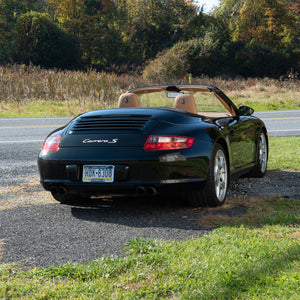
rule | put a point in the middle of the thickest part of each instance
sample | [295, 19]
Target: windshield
[205, 101]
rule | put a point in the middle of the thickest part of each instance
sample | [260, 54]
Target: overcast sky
[208, 4]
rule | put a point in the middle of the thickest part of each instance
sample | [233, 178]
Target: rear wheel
[260, 168]
[215, 189]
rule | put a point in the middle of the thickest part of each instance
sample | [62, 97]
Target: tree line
[161, 38]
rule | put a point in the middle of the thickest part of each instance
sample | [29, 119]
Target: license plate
[98, 173]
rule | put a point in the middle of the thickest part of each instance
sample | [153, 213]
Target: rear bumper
[135, 169]
[124, 189]
[131, 177]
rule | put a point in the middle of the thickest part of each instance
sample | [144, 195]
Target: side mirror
[245, 110]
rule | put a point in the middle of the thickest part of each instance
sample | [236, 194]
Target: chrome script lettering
[89, 141]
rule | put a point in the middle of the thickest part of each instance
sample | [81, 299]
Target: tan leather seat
[128, 100]
[186, 102]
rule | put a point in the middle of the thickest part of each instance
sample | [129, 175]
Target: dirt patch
[253, 192]
[1, 248]
[14, 193]
[296, 235]
[27, 191]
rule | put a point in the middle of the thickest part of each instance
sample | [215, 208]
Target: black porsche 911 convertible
[191, 146]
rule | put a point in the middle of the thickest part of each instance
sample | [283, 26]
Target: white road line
[285, 118]
[20, 142]
[36, 118]
[277, 111]
[284, 130]
[31, 126]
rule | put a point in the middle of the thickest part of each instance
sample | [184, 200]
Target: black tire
[67, 198]
[214, 191]
[260, 168]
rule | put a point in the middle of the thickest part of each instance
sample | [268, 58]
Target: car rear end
[126, 151]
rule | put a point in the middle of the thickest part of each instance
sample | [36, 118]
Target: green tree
[152, 26]
[10, 10]
[93, 22]
[67, 13]
[200, 56]
[264, 35]
[273, 23]
[169, 65]
[100, 37]
[252, 60]
[38, 40]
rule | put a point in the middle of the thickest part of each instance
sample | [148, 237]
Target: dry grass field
[32, 91]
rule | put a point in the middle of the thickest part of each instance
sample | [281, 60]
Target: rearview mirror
[173, 94]
[245, 110]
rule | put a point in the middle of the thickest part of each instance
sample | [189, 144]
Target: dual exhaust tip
[149, 190]
[59, 190]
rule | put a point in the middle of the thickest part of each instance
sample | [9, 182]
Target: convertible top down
[183, 139]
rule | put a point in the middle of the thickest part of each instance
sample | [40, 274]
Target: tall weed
[20, 84]
[29, 83]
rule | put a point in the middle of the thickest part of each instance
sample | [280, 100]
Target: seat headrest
[128, 100]
[186, 102]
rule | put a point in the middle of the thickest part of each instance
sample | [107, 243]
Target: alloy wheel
[220, 175]
[263, 152]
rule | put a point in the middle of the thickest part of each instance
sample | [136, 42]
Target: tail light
[164, 142]
[51, 143]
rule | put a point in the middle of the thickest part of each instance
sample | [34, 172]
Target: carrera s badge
[89, 141]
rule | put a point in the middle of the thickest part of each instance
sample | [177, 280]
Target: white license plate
[98, 173]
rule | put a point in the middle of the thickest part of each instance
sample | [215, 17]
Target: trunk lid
[119, 127]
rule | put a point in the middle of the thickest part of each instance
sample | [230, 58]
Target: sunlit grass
[284, 153]
[232, 262]
[260, 212]
[33, 91]
[262, 97]
[44, 108]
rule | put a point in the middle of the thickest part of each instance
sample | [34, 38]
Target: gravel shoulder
[276, 184]
[35, 230]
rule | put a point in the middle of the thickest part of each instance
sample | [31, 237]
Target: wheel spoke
[220, 175]
[263, 157]
[218, 191]
[221, 162]
[222, 185]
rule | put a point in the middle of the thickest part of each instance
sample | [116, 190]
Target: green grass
[237, 262]
[261, 106]
[255, 256]
[284, 153]
[262, 96]
[43, 108]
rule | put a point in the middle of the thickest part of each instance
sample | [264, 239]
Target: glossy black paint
[117, 138]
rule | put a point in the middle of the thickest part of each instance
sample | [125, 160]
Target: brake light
[163, 142]
[51, 143]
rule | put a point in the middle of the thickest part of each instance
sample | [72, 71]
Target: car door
[240, 135]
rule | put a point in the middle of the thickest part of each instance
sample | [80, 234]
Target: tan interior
[128, 100]
[214, 114]
[186, 102]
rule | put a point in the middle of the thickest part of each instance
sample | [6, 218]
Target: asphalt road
[50, 233]
[281, 123]
[34, 130]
